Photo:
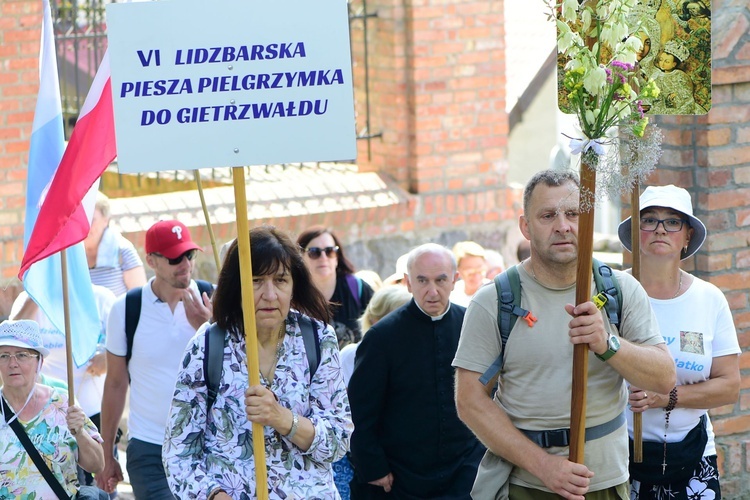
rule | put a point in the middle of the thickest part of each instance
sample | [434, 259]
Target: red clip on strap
[530, 319]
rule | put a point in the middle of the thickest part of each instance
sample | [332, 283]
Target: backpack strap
[312, 342]
[355, 287]
[213, 361]
[607, 284]
[33, 453]
[508, 288]
[132, 316]
[204, 286]
[133, 312]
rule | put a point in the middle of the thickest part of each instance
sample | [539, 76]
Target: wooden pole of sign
[68, 337]
[208, 220]
[635, 238]
[248, 313]
[583, 294]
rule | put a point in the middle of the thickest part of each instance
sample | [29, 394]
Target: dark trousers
[146, 471]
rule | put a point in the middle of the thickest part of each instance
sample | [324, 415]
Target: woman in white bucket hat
[679, 453]
[63, 436]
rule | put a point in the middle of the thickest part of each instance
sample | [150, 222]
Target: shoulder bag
[682, 458]
[84, 492]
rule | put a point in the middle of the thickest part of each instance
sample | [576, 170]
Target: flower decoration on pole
[599, 51]
[599, 46]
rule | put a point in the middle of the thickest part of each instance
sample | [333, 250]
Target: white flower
[569, 9]
[595, 79]
[614, 32]
[586, 19]
[567, 38]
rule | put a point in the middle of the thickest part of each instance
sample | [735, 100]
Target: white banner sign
[230, 83]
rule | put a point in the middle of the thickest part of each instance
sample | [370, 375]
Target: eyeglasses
[670, 225]
[20, 357]
[190, 255]
[316, 252]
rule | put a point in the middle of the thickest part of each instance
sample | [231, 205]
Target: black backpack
[213, 358]
[133, 312]
[508, 286]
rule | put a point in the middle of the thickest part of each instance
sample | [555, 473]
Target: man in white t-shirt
[522, 425]
[172, 309]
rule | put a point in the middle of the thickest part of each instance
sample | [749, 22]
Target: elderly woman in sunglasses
[61, 433]
[679, 453]
[333, 274]
[305, 415]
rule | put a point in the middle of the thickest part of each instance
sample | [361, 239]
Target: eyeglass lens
[670, 225]
[316, 252]
[20, 357]
[190, 254]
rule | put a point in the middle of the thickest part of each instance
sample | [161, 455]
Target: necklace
[268, 377]
[679, 287]
[2, 408]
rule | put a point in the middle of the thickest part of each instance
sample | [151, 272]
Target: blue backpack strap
[205, 286]
[508, 288]
[312, 342]
[607, 284]
[132, 316]
[213, 361]
[355, 287]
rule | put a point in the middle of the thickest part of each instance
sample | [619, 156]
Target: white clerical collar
[435, 318]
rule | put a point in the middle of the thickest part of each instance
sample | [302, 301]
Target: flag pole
[68, 337]
[210, 228]
[583, 294]
[635, 238]
[251, 336]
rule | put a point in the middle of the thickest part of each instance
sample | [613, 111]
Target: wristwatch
[614, 344]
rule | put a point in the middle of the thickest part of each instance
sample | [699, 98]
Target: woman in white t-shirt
[697, 325]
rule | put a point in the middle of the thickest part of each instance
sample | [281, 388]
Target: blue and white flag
[43, 280]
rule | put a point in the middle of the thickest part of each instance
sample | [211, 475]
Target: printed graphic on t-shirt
[691, 342]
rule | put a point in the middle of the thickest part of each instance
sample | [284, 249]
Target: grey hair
[552, 178]
[430, 248]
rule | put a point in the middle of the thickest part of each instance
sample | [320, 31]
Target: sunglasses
[316, 252]
[190, 255]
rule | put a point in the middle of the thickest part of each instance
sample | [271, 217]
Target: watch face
[614, 342]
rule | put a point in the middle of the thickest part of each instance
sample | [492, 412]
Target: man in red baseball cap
[148, 356]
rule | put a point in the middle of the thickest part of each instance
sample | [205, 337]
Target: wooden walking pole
[635, 238]
[583, 294]
[210, 228]
[68, 336]
[248, 314]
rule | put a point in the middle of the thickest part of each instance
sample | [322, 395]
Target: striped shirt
[115, 255]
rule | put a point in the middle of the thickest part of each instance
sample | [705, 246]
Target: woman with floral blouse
[307, 421]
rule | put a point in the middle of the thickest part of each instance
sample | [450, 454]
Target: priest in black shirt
[408, 441]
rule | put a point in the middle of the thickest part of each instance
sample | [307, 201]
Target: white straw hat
[672, 197]
[22, 333]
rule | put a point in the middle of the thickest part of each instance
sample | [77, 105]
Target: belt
[561, 437]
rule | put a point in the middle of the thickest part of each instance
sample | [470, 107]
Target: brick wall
[438, 88]
[20, 22]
